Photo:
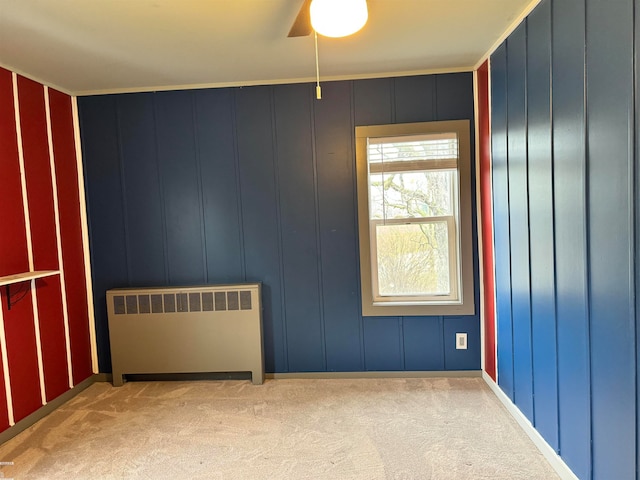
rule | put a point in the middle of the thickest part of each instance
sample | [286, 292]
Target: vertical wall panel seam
[198, 161]
[587, 243]
[434, 102]
[27, 221]
[392, 100]
[56, 213]
[528, 205]
[553, 229]
[632, 217]
[506, 83]
[400, 323]
[84, 222]
[316, 200]
[123, 190]
[352, 156]
[634, 213]
[163, 209]
[435, 97]
[442, 352]
[402, 350]
[276, 179]
[236, 169]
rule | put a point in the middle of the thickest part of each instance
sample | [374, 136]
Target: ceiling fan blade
[302, 24]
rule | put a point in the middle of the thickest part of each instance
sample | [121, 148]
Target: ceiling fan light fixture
[338, 18]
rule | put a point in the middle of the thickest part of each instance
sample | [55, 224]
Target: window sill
[412, 309]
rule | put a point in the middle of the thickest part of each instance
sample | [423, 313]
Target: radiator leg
[257, 377]
[117, 379]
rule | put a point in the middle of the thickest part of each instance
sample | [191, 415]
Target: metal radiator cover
[194, 329]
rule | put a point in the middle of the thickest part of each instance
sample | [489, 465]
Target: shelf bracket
[9, 296]
[29, 276]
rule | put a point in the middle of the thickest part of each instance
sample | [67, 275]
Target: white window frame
[460, 301]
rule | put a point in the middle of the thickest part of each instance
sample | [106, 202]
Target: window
[414, 206]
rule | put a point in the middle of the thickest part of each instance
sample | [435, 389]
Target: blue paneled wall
[564, 172]
[257, 184]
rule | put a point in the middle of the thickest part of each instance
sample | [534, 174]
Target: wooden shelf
[23, 277]
[9, 280]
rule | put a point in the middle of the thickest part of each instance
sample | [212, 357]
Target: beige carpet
[285, 429]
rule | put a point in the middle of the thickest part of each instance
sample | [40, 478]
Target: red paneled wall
[486, 220]
[45, 340]
[13, 259]
[64, 150]
[35, 146]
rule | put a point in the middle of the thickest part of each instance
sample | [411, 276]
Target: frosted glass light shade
[338, 18]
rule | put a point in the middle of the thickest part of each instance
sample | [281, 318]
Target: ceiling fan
[302, 24]
[331, 18]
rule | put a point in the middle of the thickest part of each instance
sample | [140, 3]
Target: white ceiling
[100, 46]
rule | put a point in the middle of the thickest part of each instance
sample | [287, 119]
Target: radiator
[197, 329]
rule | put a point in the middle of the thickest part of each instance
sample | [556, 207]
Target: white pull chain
[318, 89]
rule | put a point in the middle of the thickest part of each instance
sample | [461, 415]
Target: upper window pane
[411, 194]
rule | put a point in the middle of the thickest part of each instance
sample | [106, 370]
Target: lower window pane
[413, 259]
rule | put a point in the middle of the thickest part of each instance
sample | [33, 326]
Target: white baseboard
[380, 374]
[549, 453]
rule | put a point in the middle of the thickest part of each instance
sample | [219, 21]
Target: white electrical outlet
[461, 341]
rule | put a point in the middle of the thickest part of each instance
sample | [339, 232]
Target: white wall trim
[36, 326]
[85, 236]
[517, 21]
[5, 368]
[23, 176]
[27, 223]
[278, 81]
[549, 453]
[56, 214]
[36, 79]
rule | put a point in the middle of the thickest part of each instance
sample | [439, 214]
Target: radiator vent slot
[156, 304]
[182, 302]
[221, 301]
[231, 300]
[132, 304]
[169, 303]
[118, 305]
[245, 300]
[207, 301]
[194, 302]
[143, 303]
